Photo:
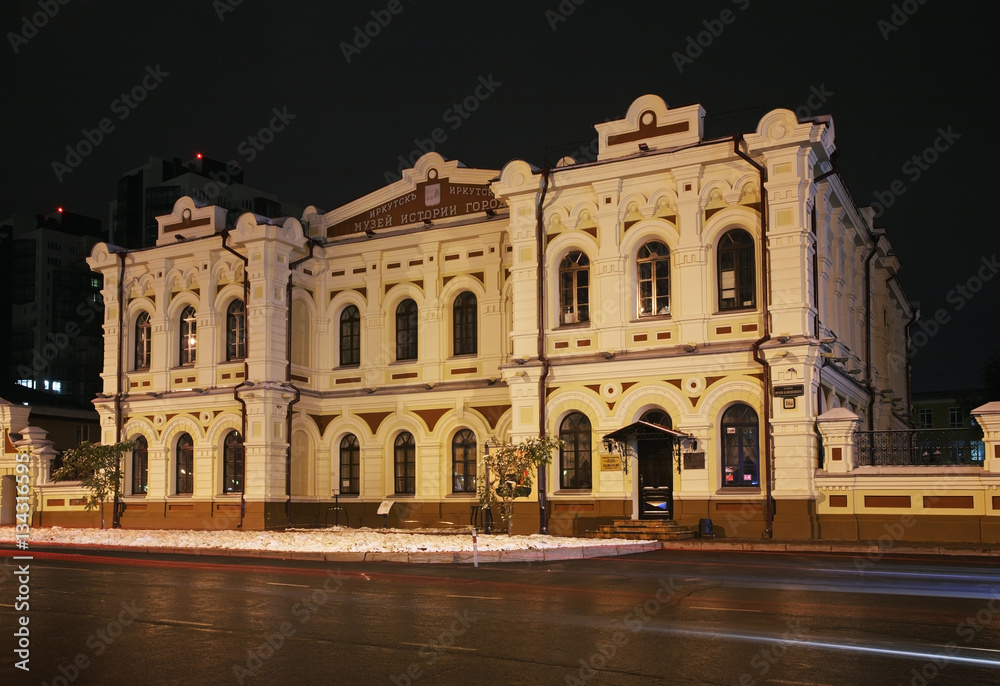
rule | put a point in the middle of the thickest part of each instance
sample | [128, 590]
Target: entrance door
[656, 478]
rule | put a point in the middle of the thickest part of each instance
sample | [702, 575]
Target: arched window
[737, 271]
[405, 460]
[185, 464]
[575, 455]
[406, 330]
[740, 446]
[574, 289]
[350, 337]
[465, 315]
[188, 336]
[657, 417]
[143, 341]
[233, 463]
[236, 331]
[140, 466]
[463, 462]
[350, 465]
[653, 269]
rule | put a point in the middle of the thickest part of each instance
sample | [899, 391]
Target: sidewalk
[870, 548]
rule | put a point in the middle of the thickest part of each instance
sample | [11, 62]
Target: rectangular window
[82, 433]
[925, 418]
[955, 417]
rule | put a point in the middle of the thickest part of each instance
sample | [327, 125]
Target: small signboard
[611, 463]
[694, 461]
[789, 391]
[384, 508]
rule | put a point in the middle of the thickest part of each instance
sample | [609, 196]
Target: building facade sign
[431, 200]
[789, 391]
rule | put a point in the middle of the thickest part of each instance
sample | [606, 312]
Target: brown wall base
[795, 519]
[730, 519]
[936, 528]
[161, 515]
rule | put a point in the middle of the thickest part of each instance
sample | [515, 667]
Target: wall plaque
[694, 460]
[611, 463]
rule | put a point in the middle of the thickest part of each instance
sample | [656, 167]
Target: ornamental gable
[434, 191]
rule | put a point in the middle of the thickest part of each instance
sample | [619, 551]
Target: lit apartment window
[188, 336]
[185, 464]
[143, 340]
[737, 271]
[574, 289]
[236, 331]
[653, 270]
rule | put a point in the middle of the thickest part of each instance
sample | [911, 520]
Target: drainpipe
[116, 515]
[288, 379]
[833, 170]
[246, 368]
[868, 333]
[543, 527]
[906, 380]
[819, 371]
[757, 356]
[909, 366]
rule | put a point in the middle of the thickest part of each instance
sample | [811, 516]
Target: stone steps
[643, 529]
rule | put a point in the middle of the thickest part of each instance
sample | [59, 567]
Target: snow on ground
[332, 539]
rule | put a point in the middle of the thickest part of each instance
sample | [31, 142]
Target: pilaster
[837, 428]
[988, 417]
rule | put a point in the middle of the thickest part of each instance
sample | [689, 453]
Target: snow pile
[330, 540]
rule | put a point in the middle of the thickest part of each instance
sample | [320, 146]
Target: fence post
[837, 427]
[988, 417]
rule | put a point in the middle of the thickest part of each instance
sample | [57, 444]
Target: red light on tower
[59, 209]
[198, 155]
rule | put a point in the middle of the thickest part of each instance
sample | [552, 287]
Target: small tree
[98, 468]
[512, 471]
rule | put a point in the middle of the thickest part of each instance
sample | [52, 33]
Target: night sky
[896, 77]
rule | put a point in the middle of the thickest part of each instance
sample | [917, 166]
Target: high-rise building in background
[50, 304]
[152, 189]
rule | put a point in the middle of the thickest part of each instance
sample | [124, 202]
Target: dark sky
[891, 90]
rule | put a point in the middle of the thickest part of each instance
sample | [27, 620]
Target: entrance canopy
[644, 430]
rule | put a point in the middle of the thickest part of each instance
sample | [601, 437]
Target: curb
[870, 548]
[415, 557]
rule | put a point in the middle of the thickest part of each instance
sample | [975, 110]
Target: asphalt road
[668, 617]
